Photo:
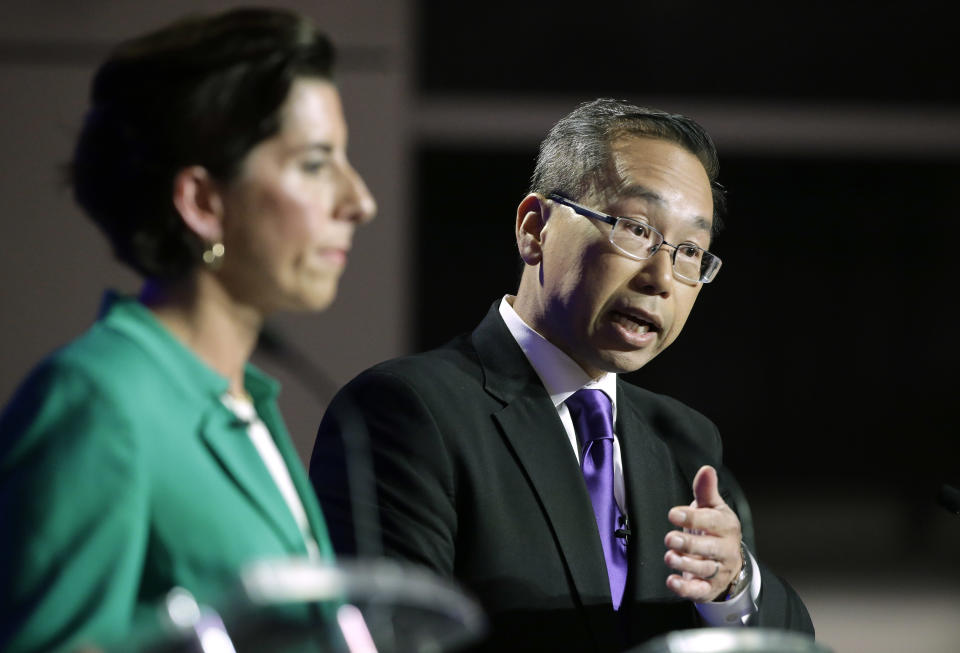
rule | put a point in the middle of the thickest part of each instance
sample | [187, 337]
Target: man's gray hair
[574, 158]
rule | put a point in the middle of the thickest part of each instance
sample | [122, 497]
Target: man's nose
[655, 274]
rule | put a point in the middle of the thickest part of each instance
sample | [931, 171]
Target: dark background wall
[834, 50]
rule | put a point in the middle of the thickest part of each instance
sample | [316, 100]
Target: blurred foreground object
[733, 640]
[358, 606]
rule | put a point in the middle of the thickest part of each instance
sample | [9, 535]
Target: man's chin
[611, 357]
[623, 362]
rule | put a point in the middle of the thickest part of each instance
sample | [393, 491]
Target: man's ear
[196, 195]
[532, 217]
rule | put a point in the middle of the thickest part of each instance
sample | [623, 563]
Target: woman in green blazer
[149, 454]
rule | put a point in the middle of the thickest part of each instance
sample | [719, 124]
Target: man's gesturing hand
[707, 551]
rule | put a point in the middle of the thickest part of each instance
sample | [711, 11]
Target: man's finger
[692, 588]
[705, 569]
[700, 521]
[708, 547]
[706, 490]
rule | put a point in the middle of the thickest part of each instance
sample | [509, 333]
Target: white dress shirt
[270, 454]
[561, 377]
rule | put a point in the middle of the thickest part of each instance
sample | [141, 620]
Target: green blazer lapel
[223, 434]
[651, 483]
[271, 417]
[533, 430]
[227, 439]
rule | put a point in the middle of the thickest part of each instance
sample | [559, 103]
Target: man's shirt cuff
[739, 609]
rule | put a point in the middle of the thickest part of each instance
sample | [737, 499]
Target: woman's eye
[313, 167]
[690, 251]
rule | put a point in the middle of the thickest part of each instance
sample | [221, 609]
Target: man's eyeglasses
[640, 241]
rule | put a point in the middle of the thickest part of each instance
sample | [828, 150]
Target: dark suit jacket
[476, 480]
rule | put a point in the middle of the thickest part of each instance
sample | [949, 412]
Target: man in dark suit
[583, 512]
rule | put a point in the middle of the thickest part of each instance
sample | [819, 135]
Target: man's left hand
[707, 551]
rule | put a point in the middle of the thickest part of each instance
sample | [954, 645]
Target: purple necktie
[593, 419]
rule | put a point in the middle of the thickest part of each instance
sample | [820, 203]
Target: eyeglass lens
[640, 240]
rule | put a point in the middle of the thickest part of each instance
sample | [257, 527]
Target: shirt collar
[560, 374]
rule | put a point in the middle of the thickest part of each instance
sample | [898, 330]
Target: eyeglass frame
[613, 220]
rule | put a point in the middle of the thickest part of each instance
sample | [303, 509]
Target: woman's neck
[204, 317]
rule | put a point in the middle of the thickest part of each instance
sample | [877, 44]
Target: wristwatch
[742, 580]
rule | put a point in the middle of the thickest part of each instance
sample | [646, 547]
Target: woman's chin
[317, 299]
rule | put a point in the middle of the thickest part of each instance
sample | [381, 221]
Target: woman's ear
[532, 214]
[196, 195]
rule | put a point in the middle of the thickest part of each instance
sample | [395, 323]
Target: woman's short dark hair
[574, 158]
[201, 91]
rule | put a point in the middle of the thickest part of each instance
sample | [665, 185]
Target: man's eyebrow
[638, 191]
[703, 224]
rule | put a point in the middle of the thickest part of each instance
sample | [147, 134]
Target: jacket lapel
[533, 430]
[271, 417]
[224, 435]
[227, 440]
[535, 435]
[652, 484]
